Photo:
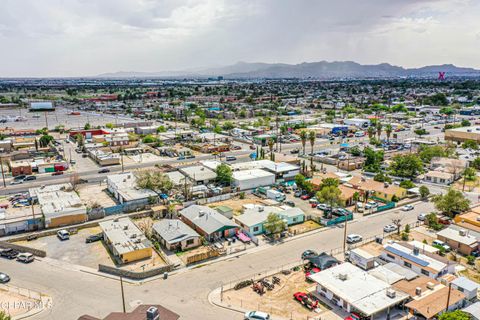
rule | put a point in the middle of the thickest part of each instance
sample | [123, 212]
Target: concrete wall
[36, 252]
[134, 275]
[66, 220]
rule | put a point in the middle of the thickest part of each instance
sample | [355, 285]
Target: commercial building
[126, 242]
[463, 134]
[356, 122]
[175, 234]
[283, 171]
[208, 222]
[424, 263]
[123, 188]
[250, 179]
[59, 204]
[42, 106]
[18, 220]
[355, 290]
[199, 175]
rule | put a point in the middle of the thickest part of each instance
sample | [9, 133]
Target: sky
[89, 37]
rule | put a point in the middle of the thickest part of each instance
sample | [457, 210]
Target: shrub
[404, 236]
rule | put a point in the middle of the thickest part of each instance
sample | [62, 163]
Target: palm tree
[371, 132]
[311, 137]
[379, 130]
[270, 144]
[303, 137]
[388, 131]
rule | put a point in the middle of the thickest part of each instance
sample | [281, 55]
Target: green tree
[370, 132]
[476, 163]
[45, 140]
[228, 125]
[80, 139]
[388, 131]
[109, 125]
[406, 166]
[465, 123]
[87, 126]
[274, 224]
[379, 128]
[420, 132]
[271, 144]
[149, 139]
[470, 144]
[303, 138]
[153, 180]
[454, 315]
[470, 174]
[382, 177]
[407, 184]
[427, 153]
[373, 160]
[311, 137]
[451, 203]
[4, 316]
[432, 221]
[329, 182]
[161, 129]
[331, 195]
[224, 174]
[424, 192]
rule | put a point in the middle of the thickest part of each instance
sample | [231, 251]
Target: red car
[305, 197]
[355, 316]
[312, 271]
[306, 300]
[314, 205]
[58, 173]
[252, 148]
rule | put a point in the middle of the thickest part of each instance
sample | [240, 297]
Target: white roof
[407, 254]
[385, 274]
[455, 235]
[58, 200]
[125, 185]
[473, 309]
[362, 290]
[124, 235]
[251, 174]
[423, 246]
[198, 173]
[265, 164]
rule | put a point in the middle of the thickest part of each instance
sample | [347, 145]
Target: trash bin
[229, 241]
[378, 240]
[165, 275]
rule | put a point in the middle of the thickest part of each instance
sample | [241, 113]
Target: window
[255, 229]
[460, 289]
[295, 219]
[425, 272]
[390, 256]
[190, 242]
[407, 264]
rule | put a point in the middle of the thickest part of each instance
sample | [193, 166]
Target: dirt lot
[95, 193]
[277, 302]
[15, 304]
[237, 204]
[74, 250]
[304, 227]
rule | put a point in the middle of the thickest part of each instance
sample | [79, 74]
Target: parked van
[360, 206]
[25, 257]
[63, 234]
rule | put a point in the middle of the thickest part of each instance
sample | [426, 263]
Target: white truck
[275, 195]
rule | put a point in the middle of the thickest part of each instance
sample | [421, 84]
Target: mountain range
[305, 70]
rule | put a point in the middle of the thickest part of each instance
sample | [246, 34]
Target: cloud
[88, 37]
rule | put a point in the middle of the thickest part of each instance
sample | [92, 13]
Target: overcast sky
[89, 37]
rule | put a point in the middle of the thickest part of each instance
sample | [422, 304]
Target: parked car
[305, 197]
[354, 238]
[290, 203]
[4, 278]
[94, 237]
[25, 257]
[439, 243]
[29, 178]
[63, 234]
[294, 151]
[230, 158]
[20, 177]
[104, 170]
[256, 315]
[390, 228]
[407, 207]
[422, 217]
[297, 194]
[9, 253]
[16, 182]
[308, 253]
[57, 173]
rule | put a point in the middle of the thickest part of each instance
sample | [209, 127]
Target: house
[473, 310]
[428, 297]
[199, 175]
[175, 235]
[208, 222]
[467, 287]
[355, 290]
[225, 211]
[425, 263]
[59, 204]
[469, 220]
[283, 171]
[20, 167]
[459, 240]
[126, 242]
[253, 219]
[123, 188]
[439, 177]
[142, 312]
[251, 179]
[384, 191]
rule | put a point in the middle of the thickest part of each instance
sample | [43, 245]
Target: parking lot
[74, 250]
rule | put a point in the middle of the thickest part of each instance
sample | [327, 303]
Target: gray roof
[466, 284]
[207, 219]
[407, 273]
[469, 231]
[173, 231]
[473, 309]
[198, 173]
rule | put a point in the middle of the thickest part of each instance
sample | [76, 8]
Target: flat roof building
[124, 189]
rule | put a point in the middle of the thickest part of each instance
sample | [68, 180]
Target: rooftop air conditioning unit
[343, 276]
[152, 314]
[418, 291]
[430, 285]
[125, 227]
[462, 232]
[391, 293]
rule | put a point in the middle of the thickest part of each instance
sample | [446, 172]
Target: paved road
[75, 292]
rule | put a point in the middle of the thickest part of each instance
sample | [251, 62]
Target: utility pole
[121, 158]
[123, 294]
[345, 235]
[3, 174]
[448, 297]
[46, 119]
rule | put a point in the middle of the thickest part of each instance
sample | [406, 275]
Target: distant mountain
[315, 70]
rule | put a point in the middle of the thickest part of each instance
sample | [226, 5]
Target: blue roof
[407, 256]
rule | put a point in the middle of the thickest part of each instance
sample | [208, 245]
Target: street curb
[44, 300]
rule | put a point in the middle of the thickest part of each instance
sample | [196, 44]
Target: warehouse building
[42, 106]
[60, 205]
[250, 179]
[125, 240]
[463, 134]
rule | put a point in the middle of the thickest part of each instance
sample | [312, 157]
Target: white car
[407, 207]
[63, 234]
[16, 182]
[372, 204]
[422, 217]
[256, 315]
[354, 238]
[390, 228]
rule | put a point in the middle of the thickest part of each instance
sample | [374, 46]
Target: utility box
[362, 259]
